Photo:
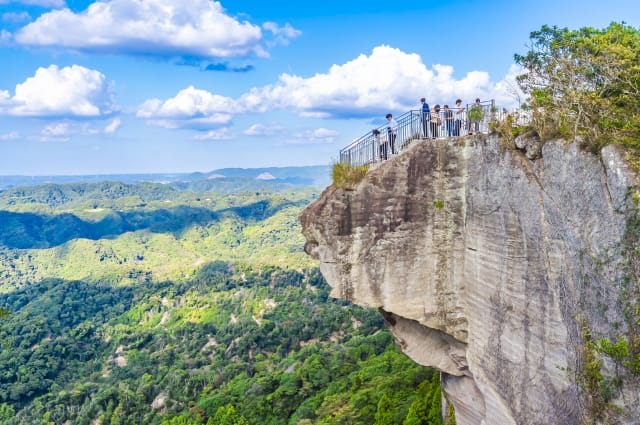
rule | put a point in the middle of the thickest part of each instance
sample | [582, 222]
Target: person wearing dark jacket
[426, 116]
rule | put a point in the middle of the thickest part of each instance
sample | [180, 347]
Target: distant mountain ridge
[316, 175]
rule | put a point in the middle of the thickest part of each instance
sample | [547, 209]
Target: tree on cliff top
[586, 83]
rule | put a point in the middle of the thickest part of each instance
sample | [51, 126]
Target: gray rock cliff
[505, 273]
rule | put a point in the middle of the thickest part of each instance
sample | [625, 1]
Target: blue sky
[134, 86]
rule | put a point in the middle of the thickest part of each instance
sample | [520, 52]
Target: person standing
[475, 115]
[380, 144]
[426, 115]
[392, 132]
[448, 120]
[435, 121]
[459, 117]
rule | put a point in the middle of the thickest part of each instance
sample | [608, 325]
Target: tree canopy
[585, 83]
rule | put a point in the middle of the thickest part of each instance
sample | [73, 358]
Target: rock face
[504, 273]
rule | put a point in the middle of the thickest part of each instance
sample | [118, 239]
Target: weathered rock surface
[497, 270]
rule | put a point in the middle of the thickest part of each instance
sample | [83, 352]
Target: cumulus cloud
[190, 108]
[41, 3]
[73, 91]
[264, 130]
[387, 80]
[219, 134]
[507, 92]
[113, 126]
[166, 28]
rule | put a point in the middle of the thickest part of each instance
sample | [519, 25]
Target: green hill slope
[126, 310]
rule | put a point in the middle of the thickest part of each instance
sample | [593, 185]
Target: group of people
[455, 119]
[388, 146]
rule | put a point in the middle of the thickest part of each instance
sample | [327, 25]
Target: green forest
[150, 304]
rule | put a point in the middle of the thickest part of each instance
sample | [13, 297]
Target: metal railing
[382, 143]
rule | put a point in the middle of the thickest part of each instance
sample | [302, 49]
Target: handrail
[412, 125]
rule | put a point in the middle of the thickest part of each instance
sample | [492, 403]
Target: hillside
[148, 304]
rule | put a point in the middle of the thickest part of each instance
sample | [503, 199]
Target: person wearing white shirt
[392, 132]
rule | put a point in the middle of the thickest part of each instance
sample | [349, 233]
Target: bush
[347, 176]
[475, 113]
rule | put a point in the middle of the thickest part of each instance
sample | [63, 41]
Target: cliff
[516, 277]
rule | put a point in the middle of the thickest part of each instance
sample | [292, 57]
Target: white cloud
[5, 37]
[9, 136]
[264, 130]
[73, 92]
[387, 80]
[282, 35]
[113, 126]
[16, 17]
[194, 29]
[319, 135]
[41, 3]
[219, 134]
[64, 130]
[507, 92]
[61, 129]
[190, 108]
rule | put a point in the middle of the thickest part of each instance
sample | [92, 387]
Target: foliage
[426, 409]
[585, 83]
[384, 414]
[618, 350]
[451, 415]
[126, 241]
[125, 310]
[590, 377]
[475, 113]
[346, 176]
[438, 203]
[508, 128]
[268, 343]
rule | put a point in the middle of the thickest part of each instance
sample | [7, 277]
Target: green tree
[384, 413]
[586, 83]
[426, 409]
[6, 412]
[180, 420]
[226, 415]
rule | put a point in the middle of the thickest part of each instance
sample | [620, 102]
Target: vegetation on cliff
[347, 176]
[585, 83]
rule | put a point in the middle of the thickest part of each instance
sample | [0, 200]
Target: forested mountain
[149, 304]
[232, 179]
